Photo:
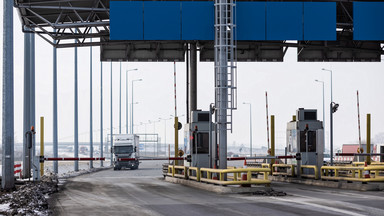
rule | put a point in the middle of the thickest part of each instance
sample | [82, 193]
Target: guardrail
[235, 173]
[175, 171]
[325, 174]
[206, 175]
[287, 172]
[315, 170]
[372, 163]
[195, 177]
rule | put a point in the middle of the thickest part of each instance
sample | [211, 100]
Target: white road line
[319, 206]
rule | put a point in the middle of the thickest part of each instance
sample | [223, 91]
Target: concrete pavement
[143, 192]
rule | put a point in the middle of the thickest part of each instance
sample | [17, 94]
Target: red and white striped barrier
[17, 169]
[73, 159]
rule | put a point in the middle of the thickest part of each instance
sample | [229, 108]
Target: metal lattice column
[225, 73]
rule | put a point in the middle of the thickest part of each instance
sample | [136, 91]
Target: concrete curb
[216, 188]
[358, 186]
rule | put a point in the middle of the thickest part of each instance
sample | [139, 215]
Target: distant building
[352, 148]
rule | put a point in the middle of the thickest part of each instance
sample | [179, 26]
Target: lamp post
[331, 118]
[120, 101]
[126, 95]
[250, 128]
[137, 80]
[165, 130]
[322, 82]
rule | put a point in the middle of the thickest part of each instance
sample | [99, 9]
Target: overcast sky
[290, 85]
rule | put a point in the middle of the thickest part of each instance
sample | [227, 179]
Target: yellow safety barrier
[353, 170]
[173, 171]
[266, 165]
[315, 170]
[372, 164]
[286, 167]
[207, 172]
[190, 173]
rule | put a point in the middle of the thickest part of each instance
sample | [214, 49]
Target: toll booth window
[203, 117]
[201, 144]
[311, 141]
[310, 116]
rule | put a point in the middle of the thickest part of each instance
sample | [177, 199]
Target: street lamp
[250, 128]
[126, 95]
[131, 106]
[137, 80]
[331, 118]
[331, 81]
[322, 82]
[165, 130]
[334, 106]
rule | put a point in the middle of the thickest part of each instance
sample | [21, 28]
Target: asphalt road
[143, 192]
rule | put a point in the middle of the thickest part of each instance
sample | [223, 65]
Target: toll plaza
[224, 34]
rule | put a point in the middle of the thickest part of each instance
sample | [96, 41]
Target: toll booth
[305, 136]
[197, 139]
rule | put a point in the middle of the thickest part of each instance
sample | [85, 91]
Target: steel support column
[26, 105]
[33, 95]
[111, 118]
[76, 136]
[90, 110]
[55, 138]
[225, 73]
[101, 114]
[221, 70]
[120, 102]
[8, 181]
[193, 79]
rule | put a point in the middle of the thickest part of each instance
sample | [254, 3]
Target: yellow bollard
[41, 144]
[368, 159]
[272, 139]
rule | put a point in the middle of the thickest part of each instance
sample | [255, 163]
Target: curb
[216, 188]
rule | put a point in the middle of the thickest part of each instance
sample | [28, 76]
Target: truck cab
[125, 151]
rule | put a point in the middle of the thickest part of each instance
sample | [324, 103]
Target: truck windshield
[123, 149]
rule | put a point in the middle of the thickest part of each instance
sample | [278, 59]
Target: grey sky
[290, 85]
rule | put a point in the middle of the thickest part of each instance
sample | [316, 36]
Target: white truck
[125, 151]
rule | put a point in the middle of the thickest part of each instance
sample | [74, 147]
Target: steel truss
[66, 23]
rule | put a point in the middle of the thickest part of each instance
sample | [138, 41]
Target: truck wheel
[119, 167]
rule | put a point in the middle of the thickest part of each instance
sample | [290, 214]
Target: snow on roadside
[29, 198]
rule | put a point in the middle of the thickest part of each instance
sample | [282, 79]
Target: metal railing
[289, 169]
[207, 175]
[371, 173]
[207, 172]
[315, 170]
[178, 171]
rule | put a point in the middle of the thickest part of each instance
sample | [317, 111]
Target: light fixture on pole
[126, 97]
[331, 82]
[250, 128]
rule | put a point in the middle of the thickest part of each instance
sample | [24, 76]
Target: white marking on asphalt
[319, 206]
